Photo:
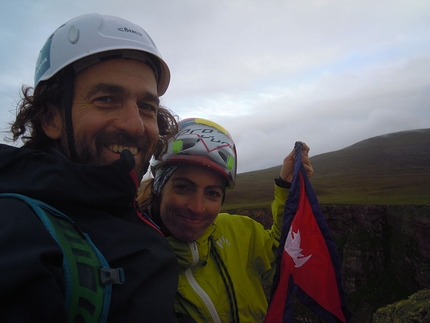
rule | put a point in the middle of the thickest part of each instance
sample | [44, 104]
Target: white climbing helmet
[89, 39]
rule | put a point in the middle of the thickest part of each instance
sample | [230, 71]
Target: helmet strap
[68, 102]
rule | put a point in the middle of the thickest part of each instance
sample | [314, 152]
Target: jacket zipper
[196, 287]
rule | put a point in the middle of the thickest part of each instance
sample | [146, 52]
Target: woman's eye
[181, 188]
[214, 194]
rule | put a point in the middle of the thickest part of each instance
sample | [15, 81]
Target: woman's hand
[288, 165]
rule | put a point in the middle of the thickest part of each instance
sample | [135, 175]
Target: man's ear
[52, 122]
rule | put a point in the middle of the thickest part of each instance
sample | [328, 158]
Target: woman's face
[190, 201]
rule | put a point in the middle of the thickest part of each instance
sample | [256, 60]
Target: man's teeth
[119, 149]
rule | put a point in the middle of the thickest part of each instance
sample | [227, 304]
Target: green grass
[390, 190]
[393, 169]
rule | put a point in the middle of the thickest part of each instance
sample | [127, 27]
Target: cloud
[328, 72]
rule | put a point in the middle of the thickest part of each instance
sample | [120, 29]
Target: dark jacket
[101, 201]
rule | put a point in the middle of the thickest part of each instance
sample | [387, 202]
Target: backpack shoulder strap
[87, 276]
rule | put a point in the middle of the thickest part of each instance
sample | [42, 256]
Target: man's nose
[130, 120]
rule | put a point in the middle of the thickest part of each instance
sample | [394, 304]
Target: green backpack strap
[87, 276]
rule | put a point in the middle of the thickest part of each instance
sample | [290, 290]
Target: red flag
[307, 262]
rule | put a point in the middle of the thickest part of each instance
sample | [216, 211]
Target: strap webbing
[86, 297]
[87, 294]
[227, 281]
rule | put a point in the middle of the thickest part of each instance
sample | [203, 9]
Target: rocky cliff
[384, 251]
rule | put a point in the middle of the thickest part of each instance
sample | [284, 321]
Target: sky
[328, 72]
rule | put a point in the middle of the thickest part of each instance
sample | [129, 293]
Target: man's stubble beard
[87, 156]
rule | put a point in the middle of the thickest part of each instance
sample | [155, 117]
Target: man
[89, 130]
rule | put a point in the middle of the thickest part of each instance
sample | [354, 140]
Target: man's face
[115, 106]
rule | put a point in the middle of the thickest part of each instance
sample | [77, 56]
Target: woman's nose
[196, 204]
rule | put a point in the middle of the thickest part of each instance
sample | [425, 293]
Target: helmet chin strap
[68, 102]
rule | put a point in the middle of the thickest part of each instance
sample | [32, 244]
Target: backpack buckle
[112, 276]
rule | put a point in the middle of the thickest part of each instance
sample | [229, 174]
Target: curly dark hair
[30, 110]
[168, 127]
[34, 104]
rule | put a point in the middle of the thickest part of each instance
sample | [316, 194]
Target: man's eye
[148, 108]
[105, 100]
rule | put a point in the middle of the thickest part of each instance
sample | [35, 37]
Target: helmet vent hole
[223, 156]
[188, 145]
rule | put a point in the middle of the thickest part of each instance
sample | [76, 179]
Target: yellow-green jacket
[248, 252]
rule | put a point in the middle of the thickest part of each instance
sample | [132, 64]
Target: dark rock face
[359, 233]
[384, 251]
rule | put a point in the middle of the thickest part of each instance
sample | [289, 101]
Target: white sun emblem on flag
[292, 247]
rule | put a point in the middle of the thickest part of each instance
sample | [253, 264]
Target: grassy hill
[392, 169]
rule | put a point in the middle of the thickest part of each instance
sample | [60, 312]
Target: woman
[224, 259]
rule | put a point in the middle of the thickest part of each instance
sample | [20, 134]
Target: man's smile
[119, 148]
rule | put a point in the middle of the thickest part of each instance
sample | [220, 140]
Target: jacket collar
[186, 252]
